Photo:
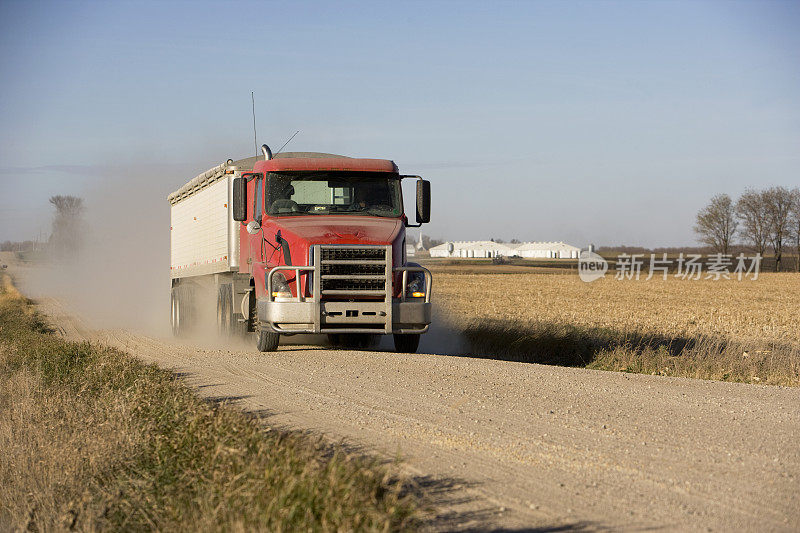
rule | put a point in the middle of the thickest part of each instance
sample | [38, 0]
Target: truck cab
[322, 241]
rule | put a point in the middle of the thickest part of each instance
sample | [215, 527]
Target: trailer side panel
[201, 231]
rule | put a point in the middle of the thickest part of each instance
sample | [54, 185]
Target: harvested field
[727, 329]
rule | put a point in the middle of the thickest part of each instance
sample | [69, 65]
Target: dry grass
[93, 439]
[730, 330]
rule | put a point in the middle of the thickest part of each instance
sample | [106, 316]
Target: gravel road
[513, 445]
[508, 445]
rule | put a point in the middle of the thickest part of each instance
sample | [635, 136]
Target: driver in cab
[363, 198]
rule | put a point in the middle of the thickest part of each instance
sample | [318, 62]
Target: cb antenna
[255, 136]
[287, 142]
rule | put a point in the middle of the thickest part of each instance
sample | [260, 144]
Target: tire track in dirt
[527, 445]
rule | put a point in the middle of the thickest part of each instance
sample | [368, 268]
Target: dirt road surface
[502, 445]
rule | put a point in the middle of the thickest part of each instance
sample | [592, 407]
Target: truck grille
[355, 268]
[353, 271]
[353, 254]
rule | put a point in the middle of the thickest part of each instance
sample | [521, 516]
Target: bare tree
[716, 223]
[751, 211]
[66, 236]
[794, 223]
[429, 243]
[778, 202]
[17, 246]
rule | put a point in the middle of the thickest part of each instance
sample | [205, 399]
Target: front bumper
[345, 317]
[346, 313]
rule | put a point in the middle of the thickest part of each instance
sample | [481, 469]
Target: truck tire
[181, 310]
[266, 340]
[406, 342]
[224, 311]
[175, 312]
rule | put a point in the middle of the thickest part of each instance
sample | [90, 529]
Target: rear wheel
[175, 312]
[224, 311]
[181, 310]
[183, 306]
[406, 343]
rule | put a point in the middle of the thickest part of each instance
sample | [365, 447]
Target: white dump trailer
[204, 238]
[204, 248]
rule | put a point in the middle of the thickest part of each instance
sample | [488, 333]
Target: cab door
[256, 212]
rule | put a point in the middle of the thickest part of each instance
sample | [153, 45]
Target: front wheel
[406, 342]
[266, 340]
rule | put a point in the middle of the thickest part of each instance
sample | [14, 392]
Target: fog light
[418, 294]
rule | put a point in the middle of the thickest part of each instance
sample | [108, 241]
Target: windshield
[333, 193]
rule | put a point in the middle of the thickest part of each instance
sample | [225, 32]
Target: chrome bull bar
[310, 314]
[299, 296]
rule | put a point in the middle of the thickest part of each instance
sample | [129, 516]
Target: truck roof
[311, 161]
[283, 162]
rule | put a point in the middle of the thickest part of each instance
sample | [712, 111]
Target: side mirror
[239, 199]
[423, 201]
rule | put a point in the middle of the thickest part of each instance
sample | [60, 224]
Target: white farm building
[551, 250]
[471, 249]
[466, 249]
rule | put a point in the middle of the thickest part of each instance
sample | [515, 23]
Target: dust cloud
[119, 276]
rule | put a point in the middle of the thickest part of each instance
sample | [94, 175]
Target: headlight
[280, 287]
[416, 285]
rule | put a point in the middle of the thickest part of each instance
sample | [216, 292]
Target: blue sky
[604, 122]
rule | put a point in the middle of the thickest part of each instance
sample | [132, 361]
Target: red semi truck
[301, 242]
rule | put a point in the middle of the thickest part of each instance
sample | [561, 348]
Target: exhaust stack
[267, 152]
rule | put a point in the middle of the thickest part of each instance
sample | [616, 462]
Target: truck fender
[259, 277]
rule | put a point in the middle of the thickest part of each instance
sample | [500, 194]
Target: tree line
[762, 219]
[66, 237]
